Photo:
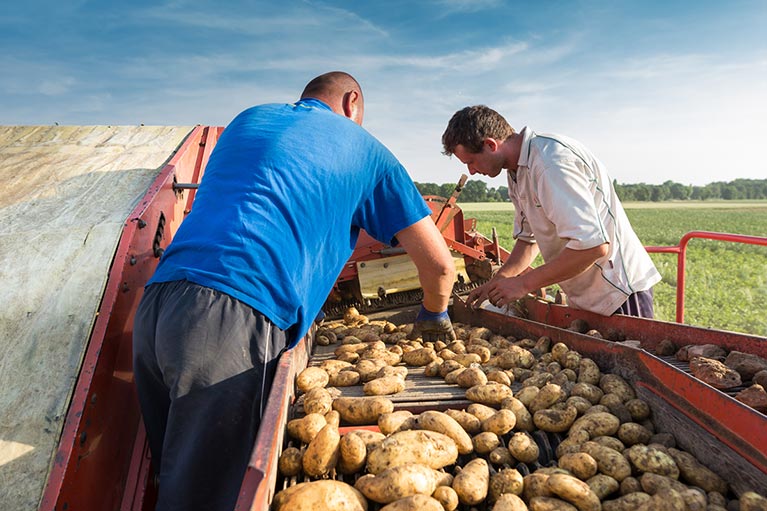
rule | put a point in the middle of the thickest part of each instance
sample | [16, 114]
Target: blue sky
[658, 90]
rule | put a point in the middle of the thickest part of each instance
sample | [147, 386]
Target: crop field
[726, 285]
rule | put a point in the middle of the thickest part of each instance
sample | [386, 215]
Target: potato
[419, 357]
[548, 395]
[429, 448]
[480, 411]
[752, 501]
[611, 442]
[290, 463]
[666, 500]
[500, 423]
[652, 483]
[372, 439]
[587, 391]
[632, 484]
[596, 424]
[318, 400]
[550, 504]
[603, 486]
[322, 453]
[470, 377]
[555, 421]
[473, 482]
[485, 442]
[448, 366]
[334, 366]
[446, 496]
[631, 433]
[325, 495]
[507, 480]
[491, 394]
[470, 423]
[416, 502]
[648, 459]
[398, 482]
[345, 378]
[400, 420]
[499, 376]
[384, 386]
[615, 384]
[638, 409]
[535, 486]
[501, 456]
[362, 410]
[527, 394]
[588, 372]
[580, 403]
[443, 423]
[523, 447]
[696, 474]
[580, 464]
[575, 491]
[368, 368]
[307, 427]
[695, 499]
[523, 415]
[310, 378]
[629, 502]
[509, 502]
[609, 462]
[352, 453]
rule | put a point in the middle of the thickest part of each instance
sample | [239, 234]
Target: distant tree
[427, 188]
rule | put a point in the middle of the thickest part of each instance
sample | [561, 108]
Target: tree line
[738, 189]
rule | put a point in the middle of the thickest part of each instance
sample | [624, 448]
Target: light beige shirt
[564, 198]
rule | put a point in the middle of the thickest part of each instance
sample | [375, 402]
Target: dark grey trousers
[204, 363]
[638, 304]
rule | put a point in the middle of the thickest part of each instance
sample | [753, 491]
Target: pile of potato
[483, 457]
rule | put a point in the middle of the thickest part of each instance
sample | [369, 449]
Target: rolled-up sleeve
[567, 193]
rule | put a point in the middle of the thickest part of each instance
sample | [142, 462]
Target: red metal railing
[681, 251]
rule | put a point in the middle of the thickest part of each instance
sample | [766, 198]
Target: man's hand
[499, 291]
[432, 326]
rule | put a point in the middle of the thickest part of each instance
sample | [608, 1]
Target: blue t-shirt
[283, 198]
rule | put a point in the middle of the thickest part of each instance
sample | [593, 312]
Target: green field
[726, 284]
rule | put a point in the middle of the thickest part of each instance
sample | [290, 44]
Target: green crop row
[726, 283]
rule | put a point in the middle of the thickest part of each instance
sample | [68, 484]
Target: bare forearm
[522, 256]
[436, 270]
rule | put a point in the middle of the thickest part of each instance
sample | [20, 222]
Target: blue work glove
[432, 326]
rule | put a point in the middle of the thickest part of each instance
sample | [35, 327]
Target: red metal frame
[681, 251]
[101, 461]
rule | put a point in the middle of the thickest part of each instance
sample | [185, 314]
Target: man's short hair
[470, 127]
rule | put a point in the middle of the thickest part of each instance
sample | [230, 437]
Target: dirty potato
[290, 463]
[575, 491]
[509, 502]
[352, 453]
[472, 482]
[470, 423]
[318, 400]
[306, 427]
[429, 448]
[500, 423]
[580, 464]
[490, 394]
[322, 453]
[555, 420]
[322, 495]
[400, 420]
[507, 480]
[445, 424]
[384, 386]
[310, 378]
[362, 410]
[398, 482]
[415, 502]
[523, 447]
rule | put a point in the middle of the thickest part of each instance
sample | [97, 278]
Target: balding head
[340, 91]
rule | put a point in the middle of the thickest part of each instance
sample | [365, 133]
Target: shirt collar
[313, 103]
[524, 151]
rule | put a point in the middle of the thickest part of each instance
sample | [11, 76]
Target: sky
[672, 90]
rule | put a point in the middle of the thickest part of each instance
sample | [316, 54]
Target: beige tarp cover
[65, 192]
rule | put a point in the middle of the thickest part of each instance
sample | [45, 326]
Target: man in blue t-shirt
[285, 193]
